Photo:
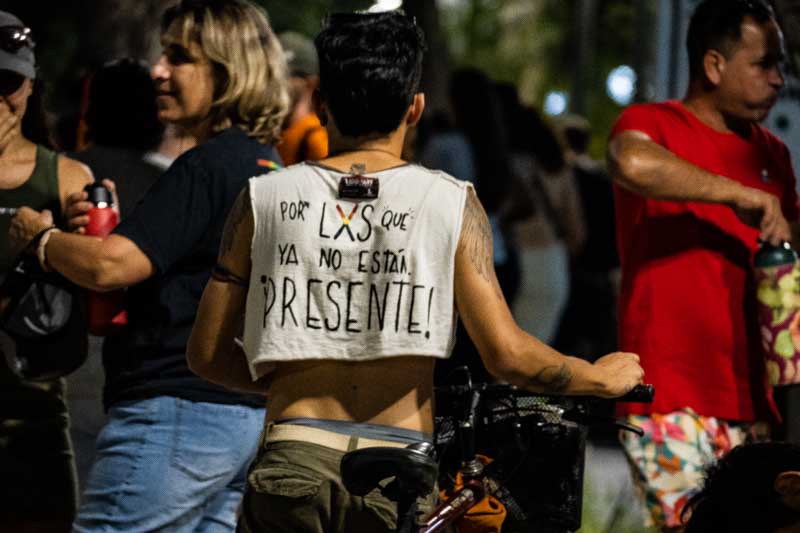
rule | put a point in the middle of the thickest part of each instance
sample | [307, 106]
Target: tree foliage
[528, 42]
[533, 44]
[74, 38]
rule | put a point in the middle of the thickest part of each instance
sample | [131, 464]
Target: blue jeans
[170, 464]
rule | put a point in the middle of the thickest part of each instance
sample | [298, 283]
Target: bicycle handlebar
[640, 393]
[468, 396]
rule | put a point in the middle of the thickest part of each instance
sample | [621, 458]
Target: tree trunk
[436, 67]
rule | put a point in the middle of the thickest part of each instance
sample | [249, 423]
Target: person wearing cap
[304, 137]
[38, 492]
[174, 451]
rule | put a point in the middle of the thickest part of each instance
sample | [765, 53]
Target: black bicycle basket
[537, 457]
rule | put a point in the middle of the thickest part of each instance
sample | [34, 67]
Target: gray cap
[301, 55]
[22, 61]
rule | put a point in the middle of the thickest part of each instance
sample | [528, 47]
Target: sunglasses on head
[10, 82]
[12, 38]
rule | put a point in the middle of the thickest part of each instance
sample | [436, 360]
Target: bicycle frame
[455, 507]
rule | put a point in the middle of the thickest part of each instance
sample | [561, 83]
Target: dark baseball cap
[16, 46]
[301, 55]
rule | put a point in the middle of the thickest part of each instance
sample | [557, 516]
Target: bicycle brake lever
[629, 427]
[587, 419]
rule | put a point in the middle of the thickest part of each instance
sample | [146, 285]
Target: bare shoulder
[73, 175]
[476, 236]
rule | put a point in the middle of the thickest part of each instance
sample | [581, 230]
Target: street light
[555, 103]
[386, 5]
[621, 84]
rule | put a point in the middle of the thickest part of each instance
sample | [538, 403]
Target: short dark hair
[370, 65]
[717, 25]
[122, 109]
[739, 493]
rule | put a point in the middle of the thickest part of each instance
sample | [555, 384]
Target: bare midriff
[396, 391]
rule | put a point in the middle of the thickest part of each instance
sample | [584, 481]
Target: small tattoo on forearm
[553, 379]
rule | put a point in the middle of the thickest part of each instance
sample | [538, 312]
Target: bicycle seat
[414, 471]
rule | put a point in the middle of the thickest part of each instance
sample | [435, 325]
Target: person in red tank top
[697, 183]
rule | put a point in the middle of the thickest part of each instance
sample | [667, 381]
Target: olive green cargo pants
[296, 487]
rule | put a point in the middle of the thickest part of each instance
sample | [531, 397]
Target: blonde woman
[174, 453]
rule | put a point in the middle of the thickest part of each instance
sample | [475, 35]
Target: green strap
[40, 191]
[44, 178]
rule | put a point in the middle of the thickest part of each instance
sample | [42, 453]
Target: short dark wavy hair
[717, 25]
[739, 495]
[370, 65]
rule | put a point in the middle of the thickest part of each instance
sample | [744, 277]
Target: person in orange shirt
[304, 137]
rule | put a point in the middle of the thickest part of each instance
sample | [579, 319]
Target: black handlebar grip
[640, 394]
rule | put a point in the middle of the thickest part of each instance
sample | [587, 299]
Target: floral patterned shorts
[669, 460]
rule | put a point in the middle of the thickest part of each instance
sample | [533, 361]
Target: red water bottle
[106, 310]
[102, 217]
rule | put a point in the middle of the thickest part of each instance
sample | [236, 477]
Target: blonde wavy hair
[248, 63]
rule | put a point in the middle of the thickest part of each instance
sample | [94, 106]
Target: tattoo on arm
[553, 379]
[241, 208]
[476, 239]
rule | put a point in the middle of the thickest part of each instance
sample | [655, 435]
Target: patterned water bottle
[777, 277]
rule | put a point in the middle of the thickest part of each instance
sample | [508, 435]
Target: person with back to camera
[122, 126]
[174, 453]
[683, 171]
[478, 147]
[589, 324]
[34, 440]
[550, 230]
[348, 273]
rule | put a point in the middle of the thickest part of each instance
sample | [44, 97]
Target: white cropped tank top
[344, 279]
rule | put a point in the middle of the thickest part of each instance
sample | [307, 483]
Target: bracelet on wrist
[33, 244]
[43, 237]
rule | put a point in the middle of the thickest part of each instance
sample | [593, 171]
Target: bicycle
[535, 437]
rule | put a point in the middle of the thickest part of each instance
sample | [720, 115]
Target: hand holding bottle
[106, 310]
[79, 204]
